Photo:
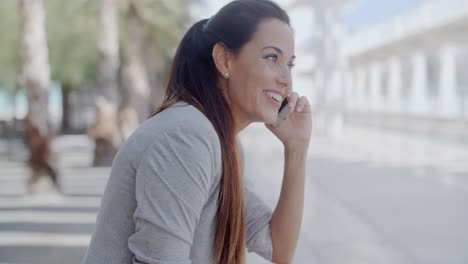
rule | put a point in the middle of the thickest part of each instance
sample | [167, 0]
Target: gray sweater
[160, 201]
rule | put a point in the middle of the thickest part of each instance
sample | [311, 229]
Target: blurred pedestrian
[40, 162]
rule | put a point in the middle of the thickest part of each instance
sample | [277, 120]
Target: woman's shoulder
[182, 114]
[181, 118]
[181, 123]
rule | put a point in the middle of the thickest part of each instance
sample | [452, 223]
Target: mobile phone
[283, 113]
[283, 104]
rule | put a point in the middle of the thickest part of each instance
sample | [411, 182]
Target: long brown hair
[193, 78]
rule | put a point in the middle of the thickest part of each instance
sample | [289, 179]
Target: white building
[414, 65]
[321, 64]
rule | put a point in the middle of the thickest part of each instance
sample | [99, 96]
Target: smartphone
[283, 113]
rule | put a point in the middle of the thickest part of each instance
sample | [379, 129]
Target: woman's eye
[272, 57]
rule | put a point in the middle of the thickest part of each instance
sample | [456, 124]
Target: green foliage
[72, 35]
[9, 53]
[72, 30]
[165, 20]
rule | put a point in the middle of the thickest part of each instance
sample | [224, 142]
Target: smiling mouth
[278, 98]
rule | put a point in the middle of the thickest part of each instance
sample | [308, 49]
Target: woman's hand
[295, 131]
[286, 220]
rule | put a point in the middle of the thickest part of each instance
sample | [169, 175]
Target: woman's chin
[270, 119]
[266, 117]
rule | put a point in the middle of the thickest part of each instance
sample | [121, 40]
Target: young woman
[175, 194]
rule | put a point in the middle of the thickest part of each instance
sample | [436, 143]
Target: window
[367, 81]
[384, 79]
[433, 74]
[406, 77]
[462, 72]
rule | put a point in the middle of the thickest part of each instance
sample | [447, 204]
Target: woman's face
[260, 74]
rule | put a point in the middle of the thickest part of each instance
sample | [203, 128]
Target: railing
[429, 15]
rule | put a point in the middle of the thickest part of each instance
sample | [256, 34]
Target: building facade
[414, 65]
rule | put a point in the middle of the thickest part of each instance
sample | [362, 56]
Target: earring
[226, 75]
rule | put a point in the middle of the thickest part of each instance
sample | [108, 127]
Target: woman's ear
[221, 57]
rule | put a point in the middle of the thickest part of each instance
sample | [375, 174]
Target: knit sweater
[160, 202]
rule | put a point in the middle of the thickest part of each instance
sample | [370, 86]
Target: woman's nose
[284, 77]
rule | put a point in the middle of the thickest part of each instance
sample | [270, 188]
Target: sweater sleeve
[173, 182]
[258, 217]
[258, 223]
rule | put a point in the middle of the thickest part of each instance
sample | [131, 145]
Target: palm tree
[35, 77]
[72, 49]
[105, 131]
[152, 31]
[135, 103]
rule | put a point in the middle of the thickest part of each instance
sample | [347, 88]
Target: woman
[175, 194]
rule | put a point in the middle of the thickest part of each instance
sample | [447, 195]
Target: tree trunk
[155, 63]
[66, 109]
[105, 131]
[135, 102]
[35, 77]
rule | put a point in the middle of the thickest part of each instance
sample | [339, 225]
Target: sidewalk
[455, 131]
[372, 196]
[331, 231]
[378, 196]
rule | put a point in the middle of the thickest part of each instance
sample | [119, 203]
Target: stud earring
[226, 75]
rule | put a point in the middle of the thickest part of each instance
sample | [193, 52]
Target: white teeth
[275, 96]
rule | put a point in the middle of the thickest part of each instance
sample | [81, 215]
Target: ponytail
[193, 79]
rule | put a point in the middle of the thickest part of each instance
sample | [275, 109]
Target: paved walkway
[375, 196]
[372, 196]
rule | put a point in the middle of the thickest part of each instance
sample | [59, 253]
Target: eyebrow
[278, 50]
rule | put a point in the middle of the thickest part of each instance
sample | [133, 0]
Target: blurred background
[387, 178]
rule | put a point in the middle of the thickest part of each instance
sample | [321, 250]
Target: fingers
[292, 99]
[298, 103]
[302, 104]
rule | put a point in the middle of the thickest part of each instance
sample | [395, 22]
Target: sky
[363, 13]
[366, 12]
